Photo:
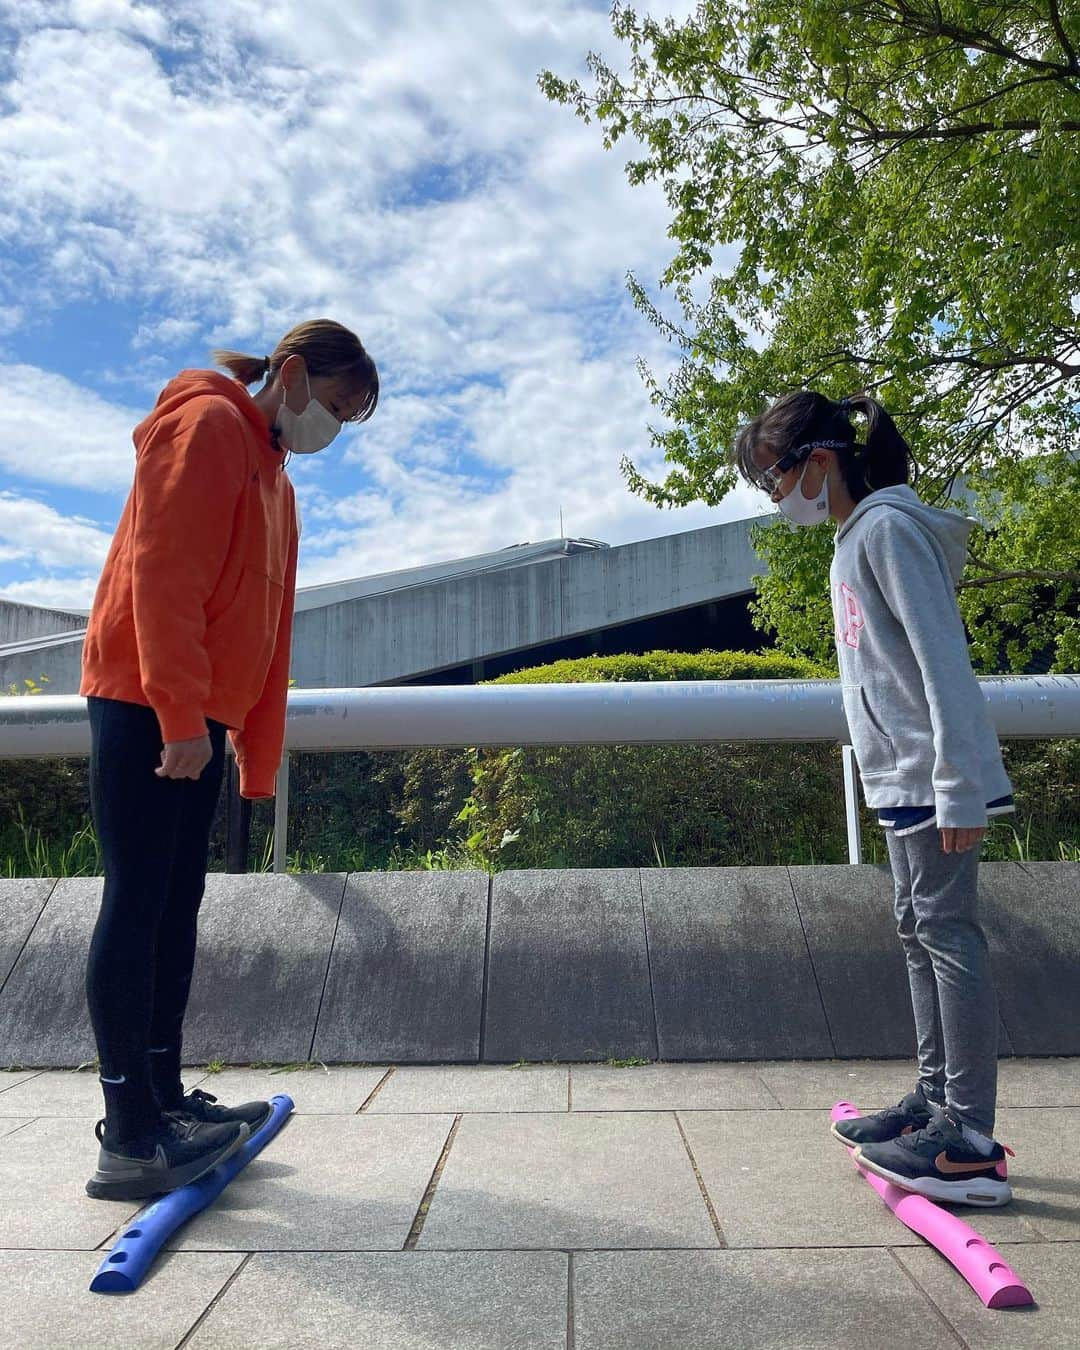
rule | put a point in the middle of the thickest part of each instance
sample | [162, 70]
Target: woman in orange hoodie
[188, 640]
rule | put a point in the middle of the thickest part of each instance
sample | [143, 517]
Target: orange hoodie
[193, 612]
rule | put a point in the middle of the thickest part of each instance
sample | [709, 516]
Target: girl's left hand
[959, 841]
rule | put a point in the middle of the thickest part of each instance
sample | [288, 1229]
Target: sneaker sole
[973, 1191]
[848, 1143]
[160, 1183]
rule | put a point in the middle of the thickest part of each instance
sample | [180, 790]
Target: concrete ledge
[21, 901]
[43, 1017]
[406, 977]
[731, 974]
[447, 967]
[568, 971]
[264, 950]
[1032, 916]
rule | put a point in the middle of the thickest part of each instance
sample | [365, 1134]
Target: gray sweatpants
[952, 985]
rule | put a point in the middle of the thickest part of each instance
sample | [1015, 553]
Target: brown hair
[804, 419]
[328, 350]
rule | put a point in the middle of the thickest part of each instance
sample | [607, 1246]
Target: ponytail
[246, 369]
[804, 418]
[884, 459]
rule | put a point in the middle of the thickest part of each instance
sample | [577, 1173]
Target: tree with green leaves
[878, 195]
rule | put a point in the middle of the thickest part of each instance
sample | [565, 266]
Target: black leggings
[155, 840]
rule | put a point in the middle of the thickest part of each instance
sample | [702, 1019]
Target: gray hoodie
[917, 717]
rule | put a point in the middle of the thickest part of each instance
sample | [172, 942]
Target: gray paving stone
[730, 970]
[869, 1084]
[782, 1300]
[21, 901]
[847, 915]
[9, 1124]
[1050, 1270]
[46, 1303]
[566, 1181]
[264, 947]
[473, 1087]
[779, 1179]
[43, 1169]
[43, 1017]
[342, 1183]
[1046, 1170]
[406, 977]
[1033, 924]
[60, 1092]
[400, 1301]
[669, 1087]
[334, 1090]
[568, 969]
[1039, 1082]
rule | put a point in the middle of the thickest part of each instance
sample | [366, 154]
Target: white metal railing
[624, 713]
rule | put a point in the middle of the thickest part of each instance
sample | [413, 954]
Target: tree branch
[1024, 574]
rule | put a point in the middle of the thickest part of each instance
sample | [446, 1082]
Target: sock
[165, 1076]
[981, 1143]
[131, 1111]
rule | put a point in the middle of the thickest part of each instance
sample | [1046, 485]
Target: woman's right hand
[185, 759]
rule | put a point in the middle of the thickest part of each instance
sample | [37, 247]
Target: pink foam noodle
[984, 1268]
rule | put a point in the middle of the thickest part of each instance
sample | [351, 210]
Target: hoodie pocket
[873, 747]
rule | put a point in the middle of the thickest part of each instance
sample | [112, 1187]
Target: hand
[185, 759]
[959, 841]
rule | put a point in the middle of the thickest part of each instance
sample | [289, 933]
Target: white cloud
[76, 592]
[392, 164]
[33, 531]
[55, 431]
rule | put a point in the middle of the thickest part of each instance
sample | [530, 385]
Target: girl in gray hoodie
[928, 759]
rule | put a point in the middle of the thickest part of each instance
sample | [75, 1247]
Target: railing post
[237, 821]
[851, 805]
[281, 815]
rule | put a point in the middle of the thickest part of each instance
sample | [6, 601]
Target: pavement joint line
[810, 958]
[186, 1339]
[891, 1252]
[569, 1087]
[648, 965]
[33, 928]
[182, 1253]
[429, 1194]
[326, 972]
[375, 1092]
[22, 1081]
[486, 973]
[12, 1133]
[701, 1183]
[570, 1301]
[768, 1089]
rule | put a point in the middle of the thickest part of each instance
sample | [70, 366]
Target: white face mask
[802, 510]
[306, 432]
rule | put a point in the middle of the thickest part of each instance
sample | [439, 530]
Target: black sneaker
[938, 1162]
[909, 1115]
[179, 1151]
[203, 1107]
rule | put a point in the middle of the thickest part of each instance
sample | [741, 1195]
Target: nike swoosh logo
[944, 1163]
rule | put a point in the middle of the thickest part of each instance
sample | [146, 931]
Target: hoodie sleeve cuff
[179, 723]
[966, 811]
[257, 780]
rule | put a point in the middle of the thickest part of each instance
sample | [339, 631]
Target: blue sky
[182, 175]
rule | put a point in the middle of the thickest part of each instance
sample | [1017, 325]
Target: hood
[949, 529]
[191, 384]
